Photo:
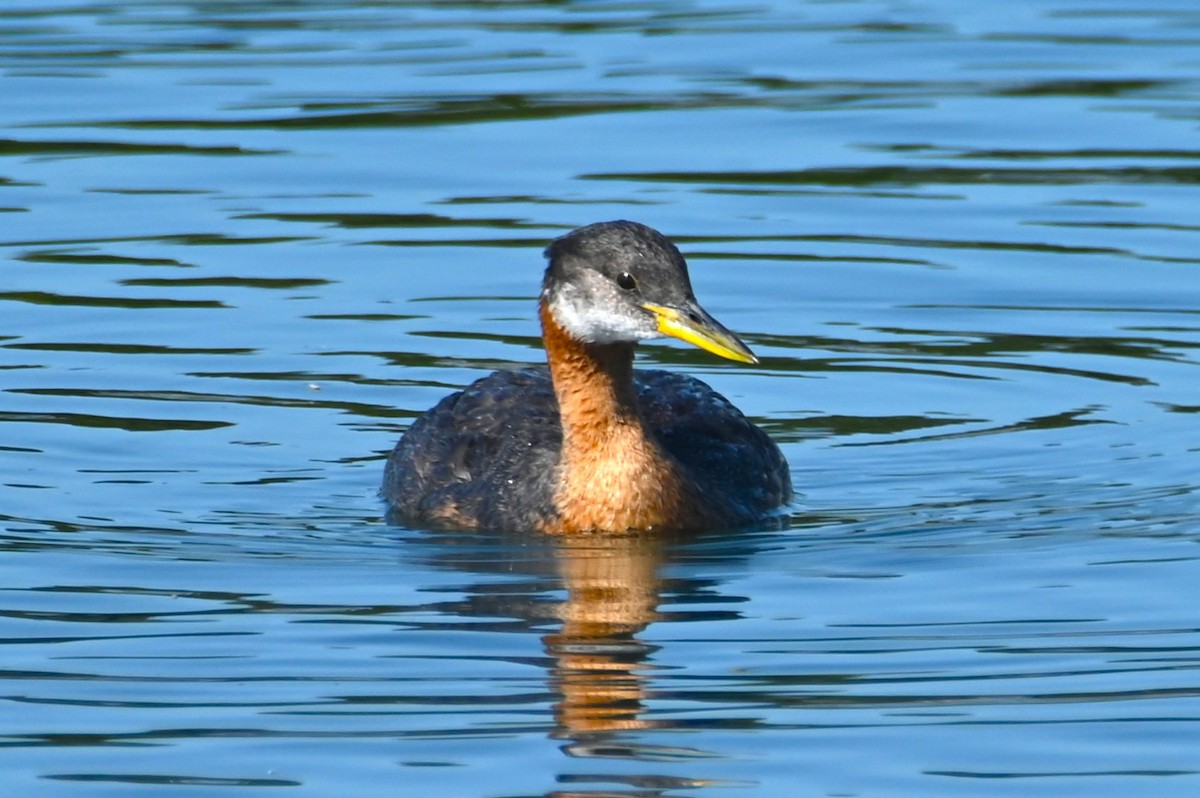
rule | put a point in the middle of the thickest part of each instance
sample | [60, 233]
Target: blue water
[244, 243]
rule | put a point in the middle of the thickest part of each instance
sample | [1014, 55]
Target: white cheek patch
[597, 325]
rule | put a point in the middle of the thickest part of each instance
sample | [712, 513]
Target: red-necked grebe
[590, 444]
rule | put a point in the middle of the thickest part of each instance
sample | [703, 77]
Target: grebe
[589, 444]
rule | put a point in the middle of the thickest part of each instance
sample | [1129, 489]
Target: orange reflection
[612, 587]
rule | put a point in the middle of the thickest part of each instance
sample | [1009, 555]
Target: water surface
[245, 243]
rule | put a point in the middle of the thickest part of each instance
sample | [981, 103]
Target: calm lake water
[245, 243]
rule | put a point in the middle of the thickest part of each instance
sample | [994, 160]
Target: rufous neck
[613, 475]
[593, 382]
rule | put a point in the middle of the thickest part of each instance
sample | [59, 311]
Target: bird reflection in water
[612, 588]
[599, 664]
[590, 600]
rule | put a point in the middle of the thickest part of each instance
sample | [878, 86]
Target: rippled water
[244, 243]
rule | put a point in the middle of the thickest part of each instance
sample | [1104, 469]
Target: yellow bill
[702, 330]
